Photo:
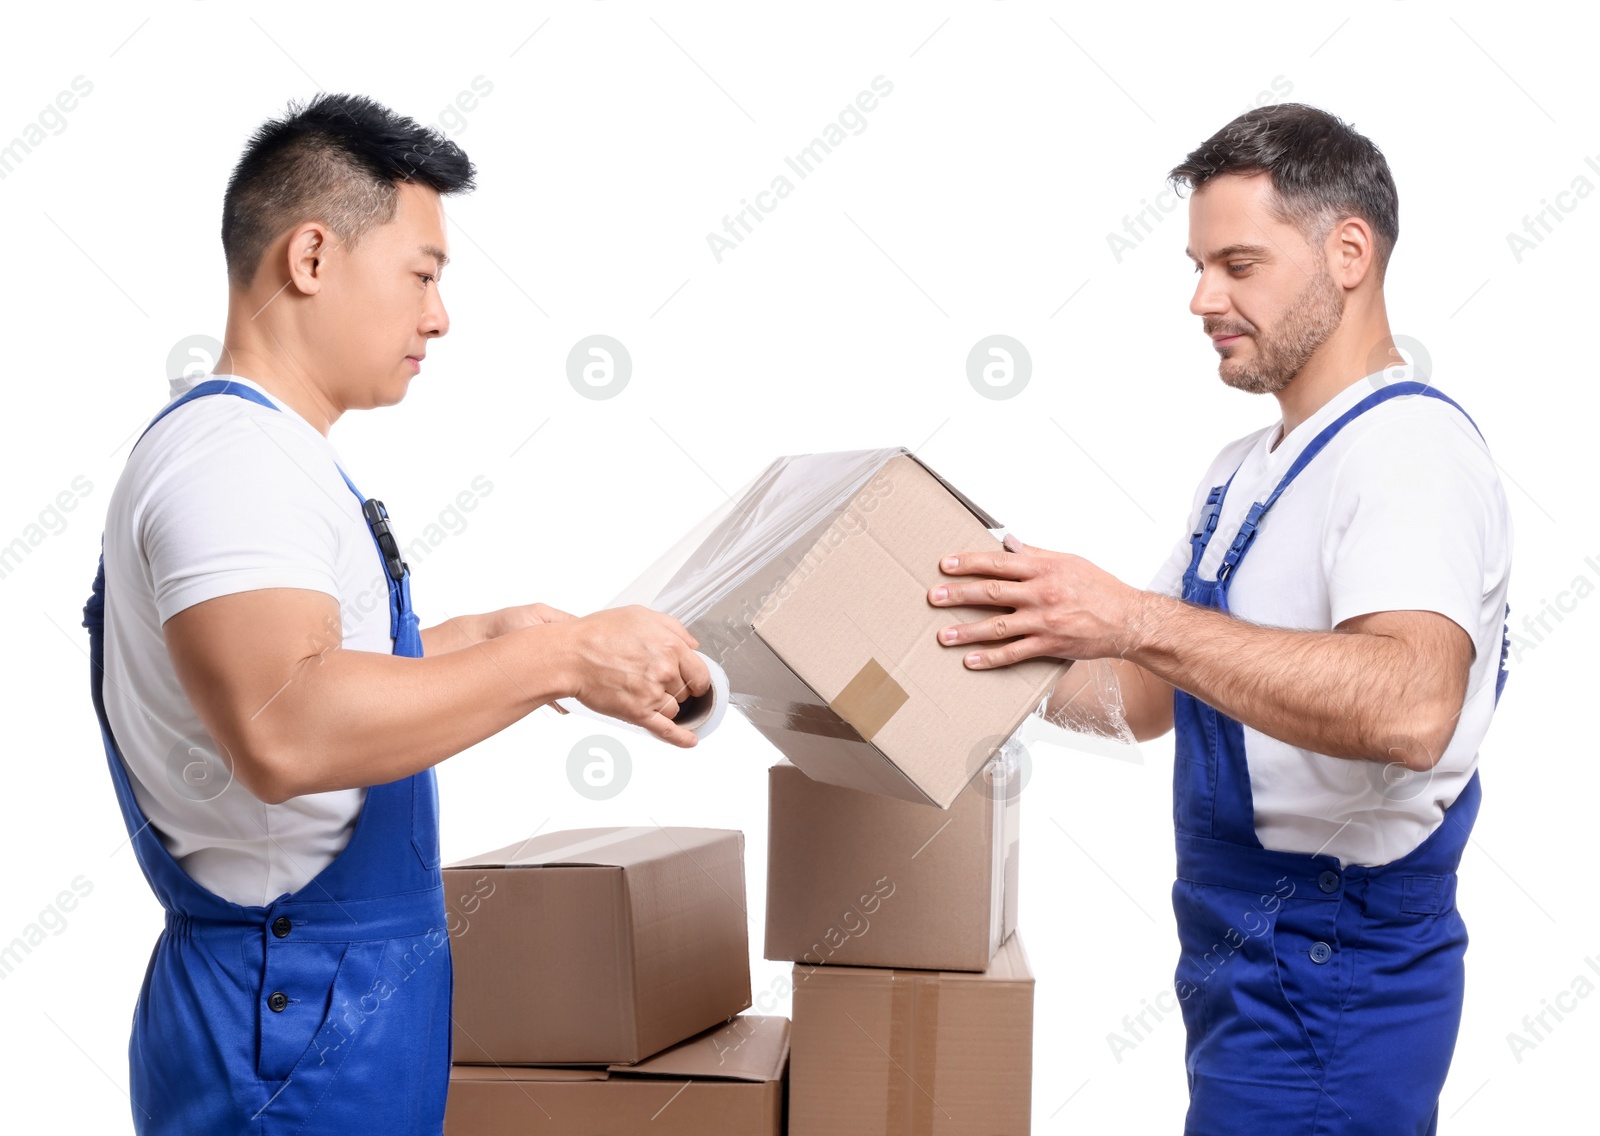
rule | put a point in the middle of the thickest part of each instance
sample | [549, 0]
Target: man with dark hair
[271, 708]
[1328, 640]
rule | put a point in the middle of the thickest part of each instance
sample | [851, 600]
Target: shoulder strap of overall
[211, 386]
[1252, 520]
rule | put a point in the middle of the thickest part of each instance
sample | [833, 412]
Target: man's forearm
[349, 718]
[453, 634]
[1340, 693]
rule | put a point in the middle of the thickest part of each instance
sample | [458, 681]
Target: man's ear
[306, 254]
[1354, 252]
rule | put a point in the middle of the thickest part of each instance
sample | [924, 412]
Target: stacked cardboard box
[598, 972]
[891, 867]
[891, 863]
[913, 1000]
[726, 1080]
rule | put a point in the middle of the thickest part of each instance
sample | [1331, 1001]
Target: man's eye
[1238, 266]
[426, 279]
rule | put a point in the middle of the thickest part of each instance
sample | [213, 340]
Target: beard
[1305, 325]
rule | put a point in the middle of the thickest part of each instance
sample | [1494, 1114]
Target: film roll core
[702, 714]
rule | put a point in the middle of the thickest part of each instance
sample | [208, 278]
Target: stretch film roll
[699, 715]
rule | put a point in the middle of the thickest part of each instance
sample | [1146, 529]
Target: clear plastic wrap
[744, 536]
[740, 547]
[1088, 700]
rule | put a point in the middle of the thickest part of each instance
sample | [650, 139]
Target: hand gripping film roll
[699, 715]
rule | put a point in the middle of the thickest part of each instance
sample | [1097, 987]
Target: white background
[977, 201]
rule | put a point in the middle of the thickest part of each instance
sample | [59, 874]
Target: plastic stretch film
[1087, 700]
[748, 534]
[738, 558]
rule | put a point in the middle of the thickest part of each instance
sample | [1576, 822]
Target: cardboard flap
[595, 847]
[988, 521]
[527, 1073]
[751, 1047]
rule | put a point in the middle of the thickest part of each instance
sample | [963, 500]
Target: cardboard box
[812, 594]
[728, 1081]
[597, 945]
[866, 880]
[913, 1052]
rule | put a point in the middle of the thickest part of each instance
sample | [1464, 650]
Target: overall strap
[211, 386]
[1252, 520]
[1207, 524]
[404, 626]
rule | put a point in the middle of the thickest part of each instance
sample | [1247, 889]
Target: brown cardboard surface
[861, 879]
[856, 625]
[880, 1052]
[825, 630]
[730, 1079]
[597, 946]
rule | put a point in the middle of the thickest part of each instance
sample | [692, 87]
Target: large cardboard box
[728, 1081]
[913, 1052]
[867, 880]
[597, 945]
[812, 594]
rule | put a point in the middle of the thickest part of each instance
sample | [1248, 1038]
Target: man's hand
[1387, 686]
[1062, 606]
[638, 665]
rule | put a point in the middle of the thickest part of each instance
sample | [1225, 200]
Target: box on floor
[913, 1052]
[597, 946]
[729, 1080]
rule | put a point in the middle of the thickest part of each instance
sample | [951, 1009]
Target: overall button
[280, 926]
[1320, 952]
[277, 1000]
[1328, 881]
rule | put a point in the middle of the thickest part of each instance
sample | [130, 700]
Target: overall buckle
[378, 521]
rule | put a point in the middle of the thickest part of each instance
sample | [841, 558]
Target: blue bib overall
[327, 1010]
[1317, 999]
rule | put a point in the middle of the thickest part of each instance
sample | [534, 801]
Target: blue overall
[327, 1010]
[1317, 999]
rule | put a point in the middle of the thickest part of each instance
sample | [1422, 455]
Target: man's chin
[385, 394]
[394, 391]
[1248, 380]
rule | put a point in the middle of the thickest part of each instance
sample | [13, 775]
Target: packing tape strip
[913, 1054]
[699, 715]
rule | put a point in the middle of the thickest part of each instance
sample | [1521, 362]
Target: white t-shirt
[1401, 511]
[223, 496]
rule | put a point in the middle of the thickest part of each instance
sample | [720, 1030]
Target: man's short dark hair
[336, 160]
[1322, 171]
